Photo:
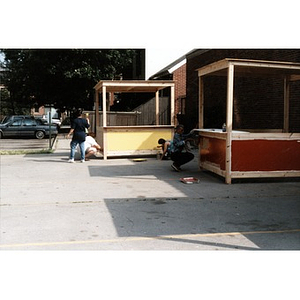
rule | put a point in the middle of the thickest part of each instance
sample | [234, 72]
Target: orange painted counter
[265, 154]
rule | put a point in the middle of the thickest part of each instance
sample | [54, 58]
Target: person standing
[78, 129]
[179, 155]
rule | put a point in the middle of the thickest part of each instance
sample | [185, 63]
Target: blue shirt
[79, 125]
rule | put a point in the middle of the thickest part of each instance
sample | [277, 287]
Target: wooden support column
[157, 107]
[104, 106]
[172, 105]
[104, 122]
[97, 119]
[229, 112]
[201, 103]
[286, 109]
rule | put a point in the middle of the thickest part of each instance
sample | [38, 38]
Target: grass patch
[21, 152]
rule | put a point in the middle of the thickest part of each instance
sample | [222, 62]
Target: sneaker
[175, 168]
[82, 161]
[71, 160]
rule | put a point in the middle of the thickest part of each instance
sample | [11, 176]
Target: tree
[61, 77]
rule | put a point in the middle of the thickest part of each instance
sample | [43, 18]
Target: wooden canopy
[250, 67]
[133, 86]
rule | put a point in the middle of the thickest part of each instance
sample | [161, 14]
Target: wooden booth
[246, 153]
[131, 140]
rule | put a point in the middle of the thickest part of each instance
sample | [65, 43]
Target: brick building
[176, 71]
[257, 101]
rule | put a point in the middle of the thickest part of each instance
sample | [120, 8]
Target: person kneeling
[178, 145]
[91, 146]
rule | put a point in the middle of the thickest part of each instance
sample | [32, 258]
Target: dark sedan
[26, 127]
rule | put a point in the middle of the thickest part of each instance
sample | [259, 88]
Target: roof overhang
[133, 86]
[248, 67]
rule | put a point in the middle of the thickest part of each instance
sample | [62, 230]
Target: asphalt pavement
[120, 204]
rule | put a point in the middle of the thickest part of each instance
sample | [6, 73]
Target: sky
[166, 29]
[158, 58]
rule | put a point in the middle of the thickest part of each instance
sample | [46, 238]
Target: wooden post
[97, 119]
[104, 106]
[229, 111]
[201, 103]
[157, 107]
[172, 105]
[104, 121]
[286, 110]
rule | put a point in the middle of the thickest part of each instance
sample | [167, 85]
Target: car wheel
[1, 135]
[40, 134]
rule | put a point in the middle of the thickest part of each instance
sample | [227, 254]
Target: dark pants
[181, 158]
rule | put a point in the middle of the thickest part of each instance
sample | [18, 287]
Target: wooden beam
[157, 108]
[286, 110]
[172, 105]
[104, 122]
[201, 102]
[229, 112]
[104, 106]
[97, 117]
[214, 67]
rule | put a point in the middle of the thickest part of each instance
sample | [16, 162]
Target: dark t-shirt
[79, 125]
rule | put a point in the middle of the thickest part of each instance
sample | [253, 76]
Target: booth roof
[132, 86]
[250, 67]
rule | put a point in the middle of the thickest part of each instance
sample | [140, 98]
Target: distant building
[176, 71]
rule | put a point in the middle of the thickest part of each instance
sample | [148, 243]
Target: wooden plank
[268, 174]
[229, 112]
[157, 108]
[214, 67]
[266, 136]
[104, 118]
[286, 109]
[201, 102]
[173, 105]
[97, 117]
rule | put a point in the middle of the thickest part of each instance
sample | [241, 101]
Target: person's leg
[73, 145]
[90, 152]
[185, 158]
[176, 159]
[82, 152]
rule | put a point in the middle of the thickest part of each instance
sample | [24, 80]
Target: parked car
[25, 126]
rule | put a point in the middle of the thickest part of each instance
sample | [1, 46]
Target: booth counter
[252, 154]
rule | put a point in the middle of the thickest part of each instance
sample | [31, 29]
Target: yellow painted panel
[136, 140]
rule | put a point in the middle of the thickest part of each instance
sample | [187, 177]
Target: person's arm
[70, 132]
[96, 145]
[165, 149]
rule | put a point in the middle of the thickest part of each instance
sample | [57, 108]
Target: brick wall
[258, 102]
[179, 76]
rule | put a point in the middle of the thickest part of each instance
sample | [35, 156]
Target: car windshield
[5, 120]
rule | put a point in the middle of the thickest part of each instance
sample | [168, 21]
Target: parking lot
[120, 204]
[25, 144]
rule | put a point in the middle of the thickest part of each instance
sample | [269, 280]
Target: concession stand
[246, 153]
[131, 140]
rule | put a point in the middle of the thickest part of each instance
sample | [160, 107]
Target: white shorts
[89, 149]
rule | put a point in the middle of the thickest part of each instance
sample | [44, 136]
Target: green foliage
[62, 77]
